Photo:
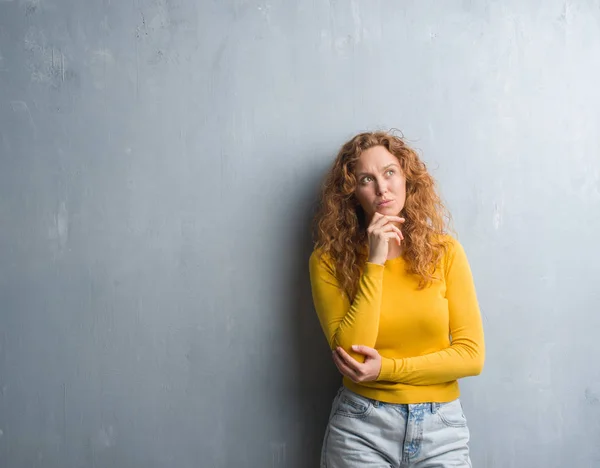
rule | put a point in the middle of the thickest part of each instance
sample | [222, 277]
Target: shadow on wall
[317, 377]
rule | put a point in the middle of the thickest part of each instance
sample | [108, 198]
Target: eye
[391, 171]
[365, 179]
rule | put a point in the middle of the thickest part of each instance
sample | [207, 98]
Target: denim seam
[365, 408]
[347, 414]
[449, 423]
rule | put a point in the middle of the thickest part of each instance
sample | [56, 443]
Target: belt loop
[433, 407]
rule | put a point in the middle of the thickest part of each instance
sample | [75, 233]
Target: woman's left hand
[358, 371]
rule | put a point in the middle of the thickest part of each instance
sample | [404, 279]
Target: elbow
[346, 346]
[346, 342]
[333, 344]
[342, 340]
[335, 341]
[472, 358]
[476, 365]
[473, 355]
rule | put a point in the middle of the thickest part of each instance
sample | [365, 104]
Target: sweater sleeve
[344, 323]
[466, 354]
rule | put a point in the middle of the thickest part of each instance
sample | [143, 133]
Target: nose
[381, 188]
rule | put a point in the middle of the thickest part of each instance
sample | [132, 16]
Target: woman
[395, 298]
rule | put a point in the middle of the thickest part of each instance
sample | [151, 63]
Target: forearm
[466, 354]
[457, 361]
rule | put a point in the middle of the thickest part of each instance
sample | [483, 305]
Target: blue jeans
[368, 433]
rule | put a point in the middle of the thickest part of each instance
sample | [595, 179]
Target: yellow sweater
[427, 338]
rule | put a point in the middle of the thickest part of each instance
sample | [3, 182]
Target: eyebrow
[382, 170]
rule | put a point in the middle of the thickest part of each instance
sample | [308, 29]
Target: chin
[387, 209]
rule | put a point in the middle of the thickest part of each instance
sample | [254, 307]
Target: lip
[385, 203]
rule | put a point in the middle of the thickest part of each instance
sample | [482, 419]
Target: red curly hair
[340, 223]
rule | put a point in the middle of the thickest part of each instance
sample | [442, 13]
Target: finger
[343, 368]
[337, 361]
[335, 357]
[349, 360]
[399, 236]
[385, 219]
[376, 223]
[377, 217]
[365, 350]
[391, 227]
[380, 220]
[393, 235]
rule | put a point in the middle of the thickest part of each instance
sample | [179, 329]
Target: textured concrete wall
[159, 161]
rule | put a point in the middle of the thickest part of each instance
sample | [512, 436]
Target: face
[381, 185]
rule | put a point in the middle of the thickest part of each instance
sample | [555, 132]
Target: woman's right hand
[380, 231]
